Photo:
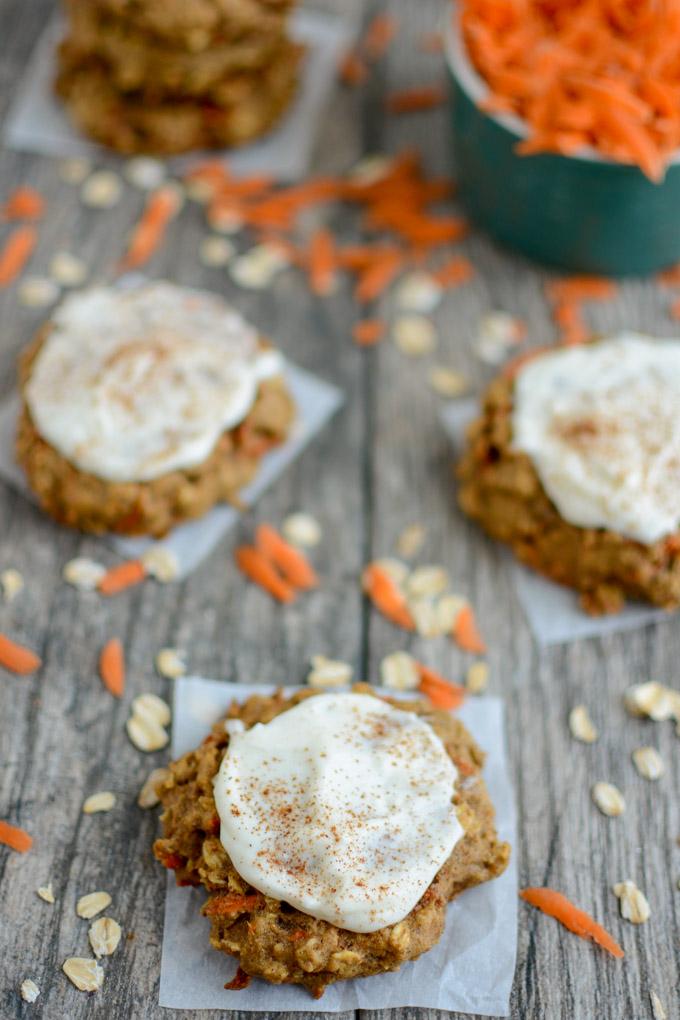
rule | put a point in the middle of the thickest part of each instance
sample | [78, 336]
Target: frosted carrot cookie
[330, 831]
[142, 408]
[575, 463]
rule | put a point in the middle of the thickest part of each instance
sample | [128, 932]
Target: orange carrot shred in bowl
[598, 73]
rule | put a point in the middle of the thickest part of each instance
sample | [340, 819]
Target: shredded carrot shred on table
[466, 633]
[294, 565]
[24, 204]
[16, 253]
[378, 35]
[441, 692]
[386, 597]
[322, 262]
[112, 667]
[148, 235]
[556, 905]
[16, 658]
[352, 69]
[124, 575]
[595, 73]
[416, 99]
[368, 332]
[15, 838]
[259, 569]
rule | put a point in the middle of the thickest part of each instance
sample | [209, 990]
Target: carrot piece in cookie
[556, 905]
[24, 204]
[15, 838]
[228, 904]
[16, 253]
[123, 576]
[255, 565]
[385, 596]
[294, 566]
[112, 667]
[466, 633]
[442, 693]
[16, 658]
[240, 981]
[147, 236]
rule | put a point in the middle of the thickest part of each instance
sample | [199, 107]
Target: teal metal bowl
[582, 213]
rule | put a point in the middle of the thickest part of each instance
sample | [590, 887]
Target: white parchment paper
[553, 611]
[37, 121]
[470, 970]
[316, 402]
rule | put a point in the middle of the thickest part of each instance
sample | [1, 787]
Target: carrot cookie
[575, 463]
[201, 23]
[163, 77]
[158, 69]
[142, 408]
[240, 107]
[330, 831]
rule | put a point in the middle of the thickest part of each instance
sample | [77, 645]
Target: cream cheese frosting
[341, 806]
[131, 384]
[601, 424]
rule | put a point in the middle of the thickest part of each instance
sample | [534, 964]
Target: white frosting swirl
[341, 806]
[131, 384]
[601, 423]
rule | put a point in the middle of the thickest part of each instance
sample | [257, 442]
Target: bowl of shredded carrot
[566, 117]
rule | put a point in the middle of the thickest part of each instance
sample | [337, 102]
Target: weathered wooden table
[382, 464]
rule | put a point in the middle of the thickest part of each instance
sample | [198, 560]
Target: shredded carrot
[148, 235]
[294, 566]
[24, 204]
[671, 276]
[413, 100]
[112, 667]
[466, 633]
[228, 904]
[581, 288]
[368, 332]
[124, 575]
[352, 69]
[239, 981]
[455, 271]
[16, 253]
[386, 597]
[375, 280]
[556, 905]
[15, 838]
[593, 73]
[442, 693]
[16, 658]
[255, 565]
[378, 36]
[322, 262]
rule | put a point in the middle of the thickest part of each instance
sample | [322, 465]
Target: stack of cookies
[167, 76]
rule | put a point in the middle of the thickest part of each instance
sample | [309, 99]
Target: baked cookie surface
[607, 449]
[238, 108]
[273, 939]
[115, 436]
[159, 70]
